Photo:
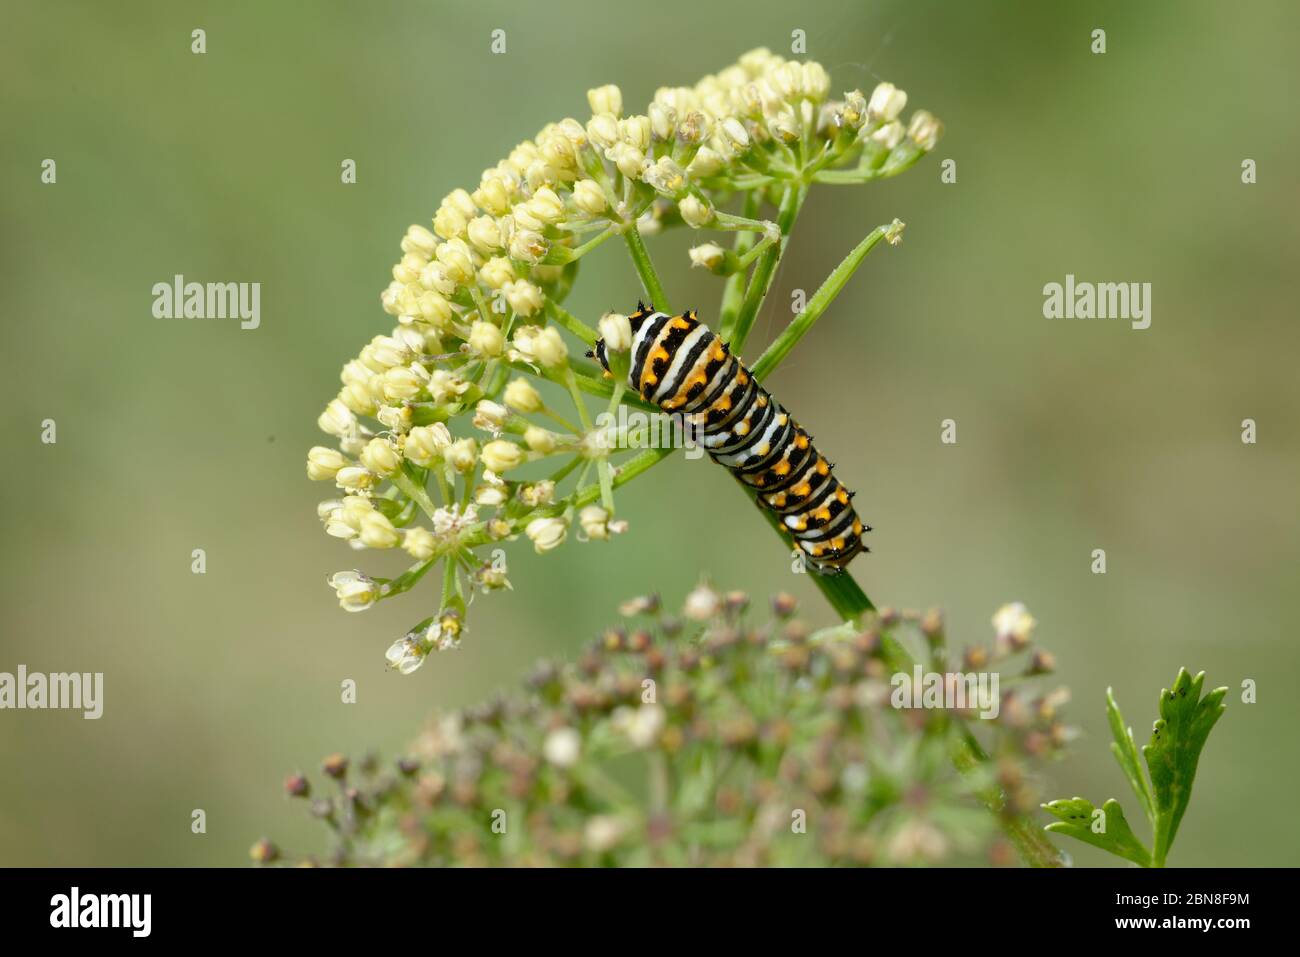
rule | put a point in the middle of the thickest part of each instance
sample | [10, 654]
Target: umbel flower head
[441, 445]
[717, 736]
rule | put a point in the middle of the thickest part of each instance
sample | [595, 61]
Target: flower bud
[418, 542]
[889, 135]
[695, 212]
[522, 397]
[490, 416]
[496, 272]
[546, 206]
[462, 454]
[355, 477]
[602, 130]
[380, 457]
[594, 522]
[378, 532]
[455, 255]
[605, 99]
[435, 278]
[546, 533]
[709, 255]
[543, 346]
[425, 444]
[616, 330]
[540, 440]
[589, 197]
[628, 159]
[501, 456]
[396, 418]
[887, 101]
[484, 233]
[337, 420]
[324, 463]
[524, 298]
[924, 130]
[486, 339]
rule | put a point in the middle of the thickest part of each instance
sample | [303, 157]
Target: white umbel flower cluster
[437, 422]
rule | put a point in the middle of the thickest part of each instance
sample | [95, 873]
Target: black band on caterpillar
[681, 366]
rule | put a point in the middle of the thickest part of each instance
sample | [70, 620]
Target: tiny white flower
[641, 725]
[595, 523]
[537, 494]
[887, 101]
[924, 130]
[546, 534]
[1013, 624]
[702, 604]
[355, 591]
[708, 255]
[562, 747]
[695, 213]
[406, 654]
[490, 416]
[462, 455]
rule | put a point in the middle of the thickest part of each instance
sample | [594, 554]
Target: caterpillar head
[601, 355]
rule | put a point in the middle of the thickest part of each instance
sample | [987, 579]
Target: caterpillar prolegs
[678, 364]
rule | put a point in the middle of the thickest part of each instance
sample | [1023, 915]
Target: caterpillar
[681, 366]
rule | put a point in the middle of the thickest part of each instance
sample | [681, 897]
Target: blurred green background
[175, 435]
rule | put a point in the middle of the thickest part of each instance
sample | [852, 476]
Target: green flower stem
[1025, 835]
[413, 490]
[481, 303]
[408, 579]
[733, 294]
[604, 388]
[571, 383]
[555, 416]
[567, 320]
[854, 177]
[449, 585]
[562, 255]
[818, 304]
[645, 268]
[729, 223]
[759, 283]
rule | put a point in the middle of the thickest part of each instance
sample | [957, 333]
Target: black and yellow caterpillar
[678, 364]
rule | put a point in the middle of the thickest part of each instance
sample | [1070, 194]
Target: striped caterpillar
[678, 364]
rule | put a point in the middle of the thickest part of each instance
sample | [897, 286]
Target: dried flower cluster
[720, 736]
[436, 420]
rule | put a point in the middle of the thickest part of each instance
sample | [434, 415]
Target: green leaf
[1125, 750]
[1175, 747]
[1108, 830]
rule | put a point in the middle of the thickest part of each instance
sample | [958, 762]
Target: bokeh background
[175, 435]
